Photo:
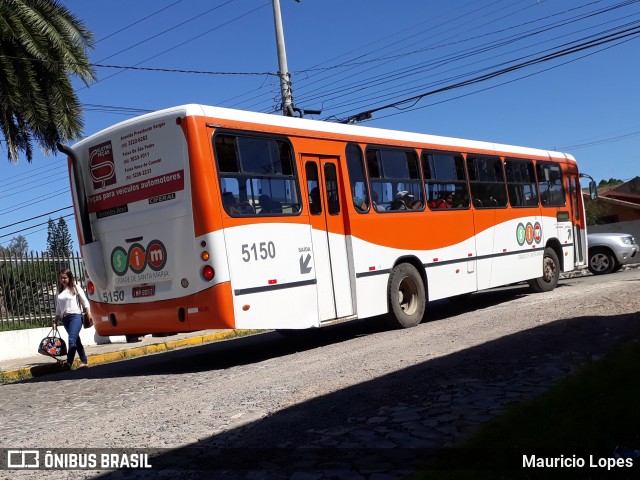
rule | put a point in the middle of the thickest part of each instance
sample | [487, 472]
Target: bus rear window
[257, 175]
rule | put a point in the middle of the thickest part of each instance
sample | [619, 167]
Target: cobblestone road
[354, 387]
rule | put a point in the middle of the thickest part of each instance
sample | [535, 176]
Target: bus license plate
[148, 291]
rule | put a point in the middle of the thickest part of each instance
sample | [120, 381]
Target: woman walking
[68, 302]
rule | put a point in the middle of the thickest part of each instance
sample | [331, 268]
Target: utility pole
[283, 73]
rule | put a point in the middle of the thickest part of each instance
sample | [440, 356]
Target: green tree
[612, 182]
[51, 237]
[59, 242]
[41, 45]
[64, 237]
[18, 246]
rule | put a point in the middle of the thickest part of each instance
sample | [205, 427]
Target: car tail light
[91, 288]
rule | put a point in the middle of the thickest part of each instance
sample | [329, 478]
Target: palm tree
[41, 45]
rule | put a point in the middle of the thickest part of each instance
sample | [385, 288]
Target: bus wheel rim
[549, 269]
[408, 296]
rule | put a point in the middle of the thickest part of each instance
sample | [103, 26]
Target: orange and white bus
[199, 217]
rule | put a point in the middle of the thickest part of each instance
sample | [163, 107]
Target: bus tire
[550, 273]
[407, 297]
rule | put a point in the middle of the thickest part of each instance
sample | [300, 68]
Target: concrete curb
[10, 376]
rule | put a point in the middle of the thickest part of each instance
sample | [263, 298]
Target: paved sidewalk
[38, 365]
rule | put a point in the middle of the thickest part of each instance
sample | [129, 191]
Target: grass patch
[591, 412]
[6, 326]
[10, 377]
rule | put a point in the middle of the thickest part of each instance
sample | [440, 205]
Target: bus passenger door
[579, 234]
[329, 239]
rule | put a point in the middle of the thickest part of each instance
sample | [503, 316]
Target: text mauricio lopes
[574, 461]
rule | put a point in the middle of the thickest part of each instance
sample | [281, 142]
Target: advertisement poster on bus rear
[142, 163]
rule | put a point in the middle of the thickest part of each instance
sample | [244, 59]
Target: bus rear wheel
[550, 273]
[407, 297]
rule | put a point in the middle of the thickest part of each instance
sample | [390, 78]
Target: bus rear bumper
[209, 309]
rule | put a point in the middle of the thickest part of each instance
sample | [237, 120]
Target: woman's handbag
[87, 321]
[53, 345]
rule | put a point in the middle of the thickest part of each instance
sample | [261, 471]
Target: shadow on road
[442, 397]
[445, 397]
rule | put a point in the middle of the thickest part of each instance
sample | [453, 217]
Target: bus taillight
[208, 272]
[91, 288]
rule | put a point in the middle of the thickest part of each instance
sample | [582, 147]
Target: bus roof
[300, 125]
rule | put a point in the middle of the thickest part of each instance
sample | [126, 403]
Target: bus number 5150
[263, 250]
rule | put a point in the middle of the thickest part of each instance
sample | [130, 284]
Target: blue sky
[347, 57]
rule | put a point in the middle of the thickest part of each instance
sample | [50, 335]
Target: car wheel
[601, 261]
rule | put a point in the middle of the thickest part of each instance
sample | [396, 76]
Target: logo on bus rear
[138, 258]
[102, 167]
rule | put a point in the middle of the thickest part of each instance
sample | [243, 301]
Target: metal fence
[28, 287]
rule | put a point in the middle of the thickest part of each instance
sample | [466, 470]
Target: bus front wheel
[407, 297]
[550, 273]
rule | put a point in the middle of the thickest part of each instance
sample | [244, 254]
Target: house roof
[628, 192]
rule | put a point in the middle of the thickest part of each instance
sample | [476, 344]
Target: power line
[176, 70]
[396, 93]
[33, 218]
[40, 199]
[599, 142]
[632, 31]
[148, 69]
[499, 84]
[21, 188]
[167, 30]
[414, 70]
[185, 42]
[137, 22]
[32, 226]
[30, 173]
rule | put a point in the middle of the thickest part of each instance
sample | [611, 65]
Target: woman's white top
[67, 303]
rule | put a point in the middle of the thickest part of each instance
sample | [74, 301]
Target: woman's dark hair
[71, 285]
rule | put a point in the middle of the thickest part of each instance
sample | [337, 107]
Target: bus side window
[394, 179]
[521, 182]
[331, 189]
[550, 184]
[486, 179]
[313, 187]
[357, 179]
[260, 173]
[445, 180]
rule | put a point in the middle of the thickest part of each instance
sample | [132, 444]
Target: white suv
[608, 252]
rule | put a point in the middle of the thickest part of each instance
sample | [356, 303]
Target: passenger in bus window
[360, 204]
[265, 203]
[229, 203]
[402, 201]
[446, 201]
[416, 205]
[276, 206]
[374, 200]
[460, 200]
[315, 206]
[234, 208]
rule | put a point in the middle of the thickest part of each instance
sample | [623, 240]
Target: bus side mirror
[593, 190]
